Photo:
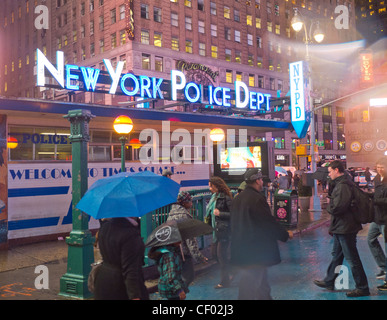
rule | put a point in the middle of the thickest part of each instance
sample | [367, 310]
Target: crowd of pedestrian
[244, 241]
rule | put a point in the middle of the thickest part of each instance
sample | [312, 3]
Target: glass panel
[24, 149]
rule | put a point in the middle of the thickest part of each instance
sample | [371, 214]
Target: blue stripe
[194, 183]
[30, 192]
[33, 223]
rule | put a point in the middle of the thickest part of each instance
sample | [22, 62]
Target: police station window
[40, 144]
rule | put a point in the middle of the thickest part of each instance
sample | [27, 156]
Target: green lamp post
[80, 242]
[123, 125]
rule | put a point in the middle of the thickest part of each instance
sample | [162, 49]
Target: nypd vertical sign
[300, 97]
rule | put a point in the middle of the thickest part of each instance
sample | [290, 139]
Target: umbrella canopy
[177, 230]
[128, 195]
[281, 170]
[321, 173]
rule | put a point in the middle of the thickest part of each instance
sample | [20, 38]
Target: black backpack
[362, 205]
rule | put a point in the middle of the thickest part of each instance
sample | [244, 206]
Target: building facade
[212, 42]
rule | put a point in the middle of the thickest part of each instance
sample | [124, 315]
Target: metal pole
[123, 141]
[80, 242]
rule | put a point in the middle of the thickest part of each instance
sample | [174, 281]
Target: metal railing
[152, 220]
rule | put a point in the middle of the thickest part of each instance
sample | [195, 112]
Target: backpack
[362, 205]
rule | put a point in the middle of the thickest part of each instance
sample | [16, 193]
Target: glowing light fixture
[217, 134]
[123, 125]
[12, 143]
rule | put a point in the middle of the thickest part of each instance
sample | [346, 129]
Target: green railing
[152, 220]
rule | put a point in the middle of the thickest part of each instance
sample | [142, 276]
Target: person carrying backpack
[377, 227]
[344, 229]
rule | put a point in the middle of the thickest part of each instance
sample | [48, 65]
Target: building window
[238, 76]
[113, 38]
[228, 76]
[201, 26]
[122, 37]
[227, 13]
[237, 17]
[250, 39]
[202, 49]
[279, 143]
[214, 30]
[201, 5]
[144, 11]
[188, 3]
[251, 80]
[157, 14]
[144, 36]
[101, 23]
[228, 55]
[277, 29]
[227, 33]
[214, 52]
[113, 18]
[188, 46]
[258, 23]
[327, 127]
[250, 60]
[237, 35]
[174, 19]
[145, 59]
[261, 82]
[175, 44]
[101, 46]
[159, 64]
[238, 56]
[122, 12]
[249, 20]
[270, 26]
[213, 8]
[188, 23]
[157, 39]
[259, 42]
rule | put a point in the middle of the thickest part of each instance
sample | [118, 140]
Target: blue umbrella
[128, 195]
[281, 170]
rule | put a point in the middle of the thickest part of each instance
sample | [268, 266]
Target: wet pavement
[304, 259]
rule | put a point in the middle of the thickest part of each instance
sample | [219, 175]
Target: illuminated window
[157, 39]
[188, 46]
[258, 23]
[175, 44]
[227, 13]
[144, 36]
[214, 52]
[249, 20]
[250, 60]
[277, 29]
[228, 55]
[145, 59]
[122, 37]
[20, 63]
[188, 3]
[238, 56]
[113, 40]
[159, 64]
[251, 80]
[270, 26]
[238, 76]
[228, 76]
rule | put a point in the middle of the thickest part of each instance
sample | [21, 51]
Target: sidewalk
[17, 266]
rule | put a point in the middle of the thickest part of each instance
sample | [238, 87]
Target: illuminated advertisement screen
[232, 162]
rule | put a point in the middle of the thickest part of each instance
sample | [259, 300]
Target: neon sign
[299, 97]
[71, 77]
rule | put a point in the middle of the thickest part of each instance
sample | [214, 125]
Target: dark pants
[253, 284]
[220, 253]
[188, 271]
[344, 246]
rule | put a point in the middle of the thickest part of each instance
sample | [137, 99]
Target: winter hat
[253, 174]
[183, 197]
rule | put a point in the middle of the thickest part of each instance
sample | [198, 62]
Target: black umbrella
[175, 231]
[321, 174]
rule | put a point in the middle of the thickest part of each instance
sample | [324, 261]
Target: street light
[123, 125]
[298, 22]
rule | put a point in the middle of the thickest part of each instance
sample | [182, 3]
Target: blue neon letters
[70, 76]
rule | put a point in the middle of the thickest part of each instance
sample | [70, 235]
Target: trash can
[286, 207]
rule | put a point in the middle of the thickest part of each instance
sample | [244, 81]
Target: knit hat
[183, 197]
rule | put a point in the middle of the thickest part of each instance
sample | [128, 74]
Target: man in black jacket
[344, 229]
[254, 235]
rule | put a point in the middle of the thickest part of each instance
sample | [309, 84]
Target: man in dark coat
[344, 229]
[254, 235]
[122, 248]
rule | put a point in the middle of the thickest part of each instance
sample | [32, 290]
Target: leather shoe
[323, 284]
[358, 293]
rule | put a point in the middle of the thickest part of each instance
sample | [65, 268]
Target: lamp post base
[73, 283]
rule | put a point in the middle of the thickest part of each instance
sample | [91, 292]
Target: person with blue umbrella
[118, 200]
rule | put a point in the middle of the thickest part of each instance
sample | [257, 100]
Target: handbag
[93, 275]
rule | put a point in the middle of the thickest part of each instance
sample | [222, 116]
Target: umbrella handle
[181, 250]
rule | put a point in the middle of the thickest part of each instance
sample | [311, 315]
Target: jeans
[253, 284]
[374, 231]
[344, 246]
[220, 253]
